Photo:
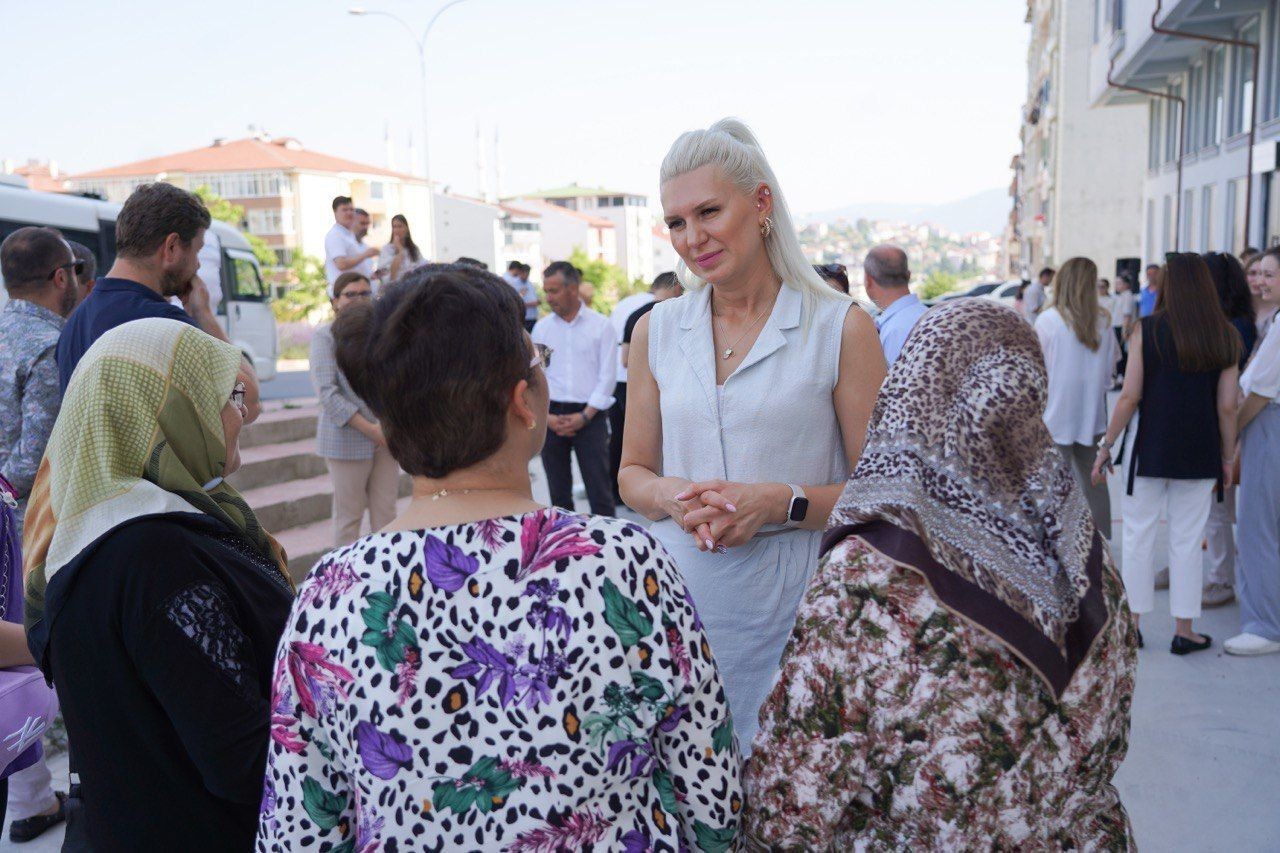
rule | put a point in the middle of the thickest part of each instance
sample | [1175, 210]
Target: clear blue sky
[912, 101]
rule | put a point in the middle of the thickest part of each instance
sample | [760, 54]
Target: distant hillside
[986, 211]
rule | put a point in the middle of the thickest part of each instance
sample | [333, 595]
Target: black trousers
[617, 419]
[591, 445]
[1123, 363]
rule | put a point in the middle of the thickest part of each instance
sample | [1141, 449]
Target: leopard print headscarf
[961, 481]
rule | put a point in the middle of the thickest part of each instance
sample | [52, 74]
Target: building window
[1195, 109]
[241, 184]
[1166, 232]
[284, 257]
[271, 221]
[1206, 219]
[1188, 214]
[1151, 227]
[1274, 75]
[1242, 81]
[1154, 123]
[1235, 215]
[376, 190]
[1216, 101]
[1172, 109]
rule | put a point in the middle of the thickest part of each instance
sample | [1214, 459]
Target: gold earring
[767, 228]
[533, 425]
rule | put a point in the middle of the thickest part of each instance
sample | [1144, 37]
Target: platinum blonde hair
[730, 146]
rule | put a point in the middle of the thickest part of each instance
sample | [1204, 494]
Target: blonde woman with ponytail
[748, 403]
[1080, 354]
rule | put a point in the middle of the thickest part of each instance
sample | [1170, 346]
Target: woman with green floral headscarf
[155, 600]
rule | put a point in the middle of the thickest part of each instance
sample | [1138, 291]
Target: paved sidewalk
[1203, 770]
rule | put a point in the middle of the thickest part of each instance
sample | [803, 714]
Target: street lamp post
[421, 44]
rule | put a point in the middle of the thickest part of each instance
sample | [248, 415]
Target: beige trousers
[360, 484]
[1081, 458]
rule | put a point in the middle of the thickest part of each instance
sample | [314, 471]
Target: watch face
[799, 508]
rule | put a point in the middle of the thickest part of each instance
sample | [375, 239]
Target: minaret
[482, 183]
[497, 166]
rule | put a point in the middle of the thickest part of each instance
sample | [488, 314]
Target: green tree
[307, 294]
[937, 284]
[233, 214]
[610, 281]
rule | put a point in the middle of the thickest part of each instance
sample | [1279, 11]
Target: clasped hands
[566, 426]
[721, 515]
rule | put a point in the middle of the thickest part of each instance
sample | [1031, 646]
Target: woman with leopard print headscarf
[962, 665]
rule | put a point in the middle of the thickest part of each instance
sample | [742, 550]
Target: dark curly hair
[436, 357]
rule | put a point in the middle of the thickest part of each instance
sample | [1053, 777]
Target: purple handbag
[27, 705]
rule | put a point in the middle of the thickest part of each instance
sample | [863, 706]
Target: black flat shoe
[29, 829]
[1182, 646]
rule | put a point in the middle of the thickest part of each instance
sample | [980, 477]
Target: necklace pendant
[728, 353]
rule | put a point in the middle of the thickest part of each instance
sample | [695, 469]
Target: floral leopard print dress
[532, 683]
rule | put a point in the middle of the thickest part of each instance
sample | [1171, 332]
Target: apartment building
[564, 229]
[286, 189]
[1078, 179]
[1207, 72]
[629, 213]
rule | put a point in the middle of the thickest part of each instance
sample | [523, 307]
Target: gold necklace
[728, 353]
[444, 493]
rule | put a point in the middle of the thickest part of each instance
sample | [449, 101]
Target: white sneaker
[1217, 594]
[1250, 645]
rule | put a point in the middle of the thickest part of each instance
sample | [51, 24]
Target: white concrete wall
[1101, 157]
[633, 230]
[467, 227]
[664, 256]
[313, 195]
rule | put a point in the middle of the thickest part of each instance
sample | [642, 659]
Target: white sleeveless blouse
[777, 422]
[773, 421]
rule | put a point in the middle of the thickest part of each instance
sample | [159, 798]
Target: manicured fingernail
[731, 507]
[711, 546]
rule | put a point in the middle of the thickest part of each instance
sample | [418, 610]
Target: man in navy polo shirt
[159, 234]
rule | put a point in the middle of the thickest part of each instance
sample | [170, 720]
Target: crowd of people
[876, 605]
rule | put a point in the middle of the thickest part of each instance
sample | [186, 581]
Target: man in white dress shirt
[342, 250]
[582, 375]
[887, 277]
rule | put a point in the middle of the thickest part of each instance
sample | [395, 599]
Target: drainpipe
[1182, 119]
[1253, 107]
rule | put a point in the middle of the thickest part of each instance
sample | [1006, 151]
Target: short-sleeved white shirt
[341, 243]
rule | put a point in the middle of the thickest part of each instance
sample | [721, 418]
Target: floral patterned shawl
[139, 434]
[960, 481]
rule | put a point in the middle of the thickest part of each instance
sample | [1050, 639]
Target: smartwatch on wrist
[798, 508]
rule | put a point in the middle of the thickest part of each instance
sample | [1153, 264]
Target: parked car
[1006, 294]
[980, 289]
[227, 264]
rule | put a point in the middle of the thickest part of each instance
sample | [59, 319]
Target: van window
[88, 239]
[247, 284]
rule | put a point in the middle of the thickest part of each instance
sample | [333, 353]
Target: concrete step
[306, 544]
[277, 463]
[278, 424]
[295, 503]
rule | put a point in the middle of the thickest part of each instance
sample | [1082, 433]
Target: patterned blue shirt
[29, 394]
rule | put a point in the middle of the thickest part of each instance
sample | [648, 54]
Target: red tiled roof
[517, 210]
[41, 176]
[542, 206]
[242, 155]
